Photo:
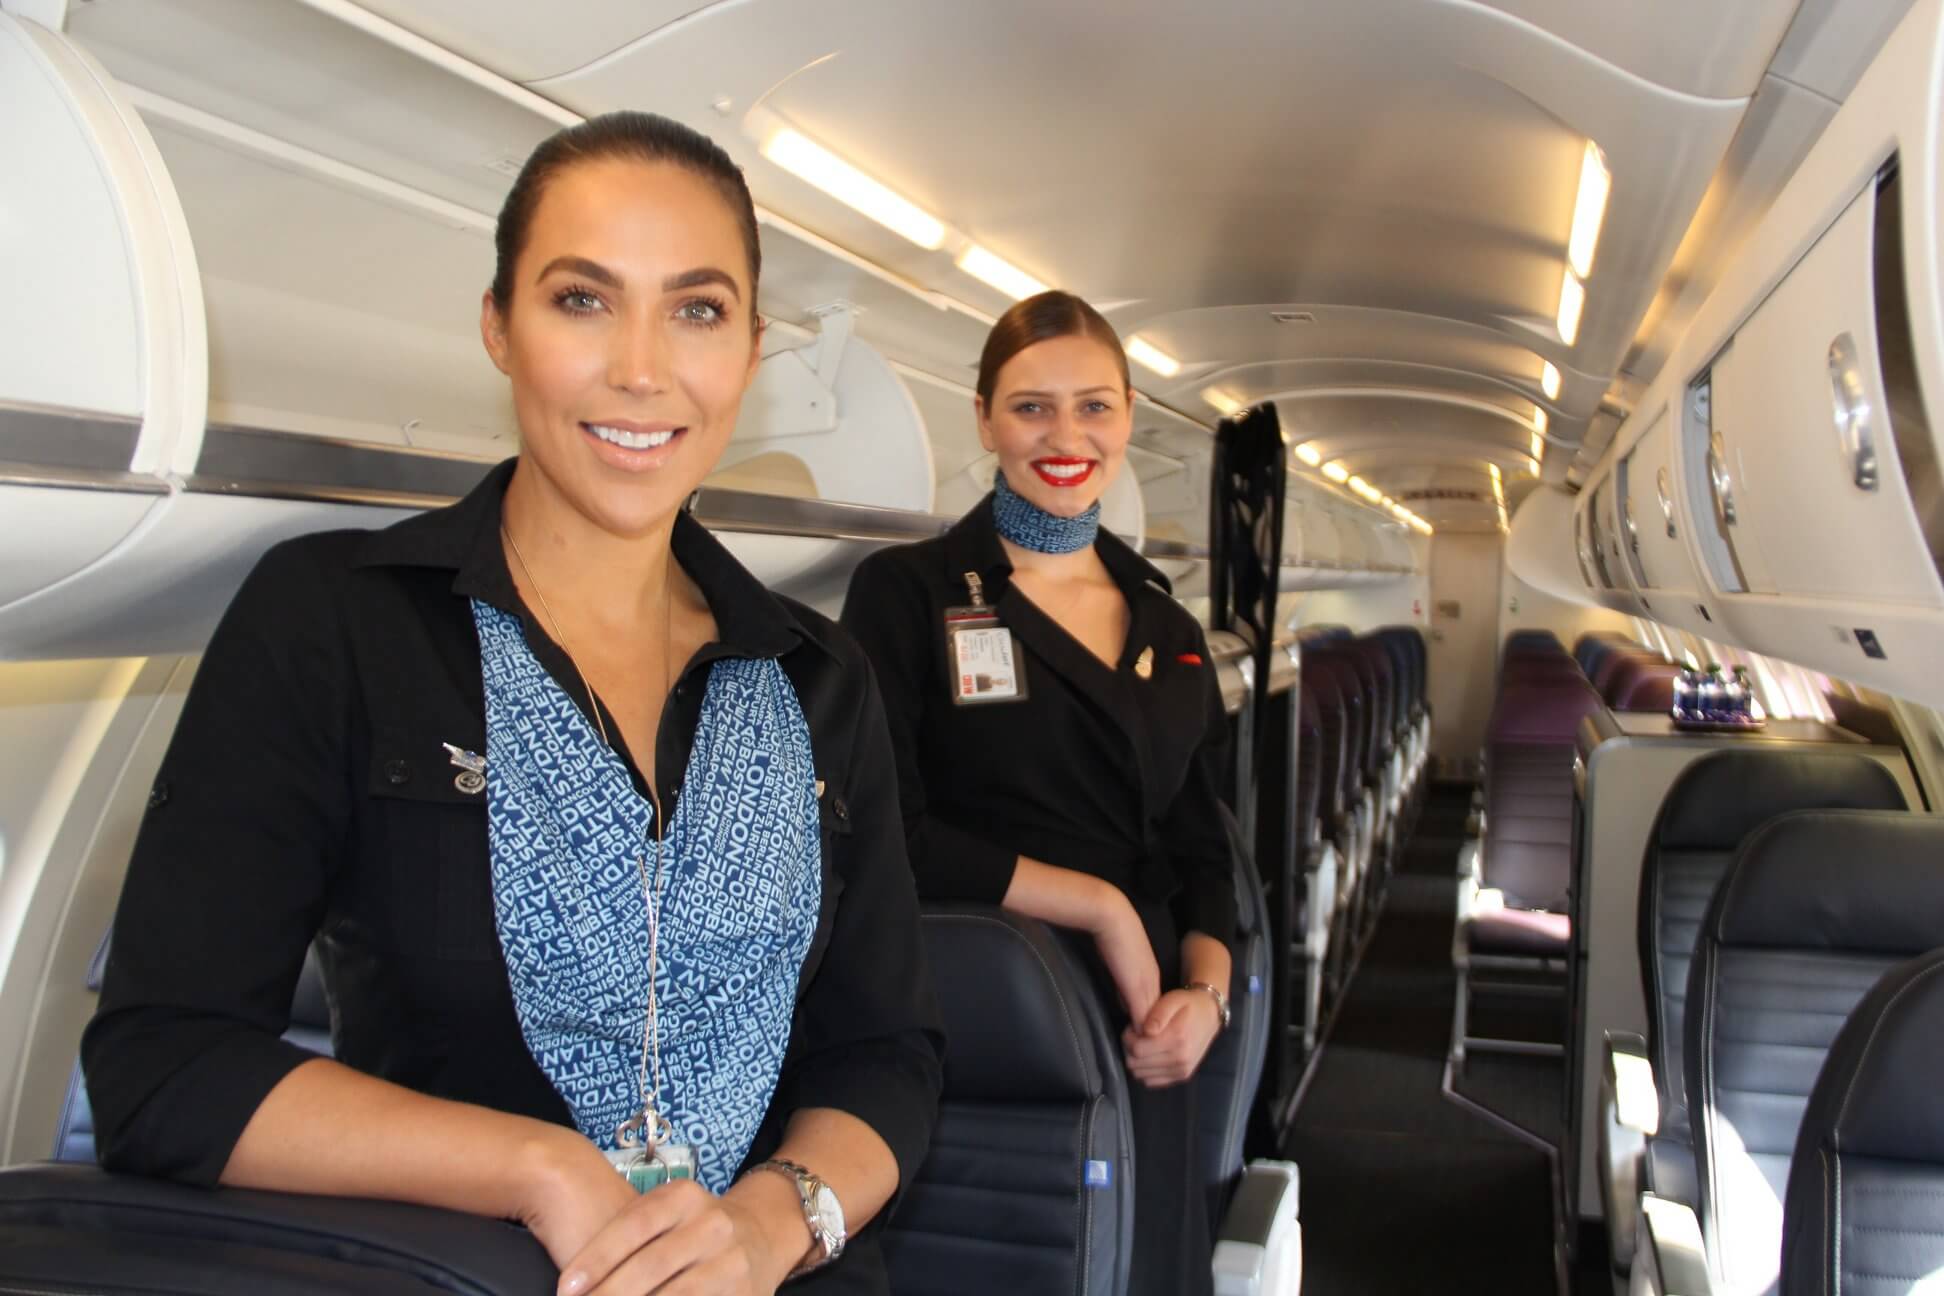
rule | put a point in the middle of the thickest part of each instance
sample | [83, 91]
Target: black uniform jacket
[1096, 769]
[307, 791]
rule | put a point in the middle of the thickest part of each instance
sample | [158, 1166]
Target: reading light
[1309, 454]
[1589, 209]
[819, 166]
[1149, 356]
[999, 273]
[1572, 300]
[1335, 471]
[1549, 381]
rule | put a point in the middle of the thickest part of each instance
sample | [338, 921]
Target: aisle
[1403, 1190]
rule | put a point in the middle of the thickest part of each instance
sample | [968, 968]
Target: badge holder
[984, 660]
[650, 1161]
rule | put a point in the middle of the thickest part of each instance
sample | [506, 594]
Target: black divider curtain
[1245, 535]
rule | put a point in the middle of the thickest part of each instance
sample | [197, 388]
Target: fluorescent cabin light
[1572, 300]
[1540, 420]
[1335, 471]
[1149, 356]
[1365, 489]
[1532, 466]
[819, 166]
[1549, 380]
[1309, 454]
[999, 273]
[1538, 446]
[1222, 401]
[1589, 209]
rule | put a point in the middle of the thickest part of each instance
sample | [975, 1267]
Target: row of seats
[1363, 746]
[1514, 908]
[1777, 889]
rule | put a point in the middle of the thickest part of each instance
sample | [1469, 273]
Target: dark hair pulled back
[1040, 318]
[637, 136]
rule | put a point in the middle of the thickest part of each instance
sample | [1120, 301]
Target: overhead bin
[1779, 484]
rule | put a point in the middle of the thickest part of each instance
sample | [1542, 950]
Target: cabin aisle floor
[1404, 1191]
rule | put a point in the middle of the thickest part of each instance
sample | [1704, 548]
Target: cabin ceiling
[1399, 174]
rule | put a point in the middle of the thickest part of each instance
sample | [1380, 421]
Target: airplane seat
[310, 1028]
[1709, 809]
[1867, 1176]
[1610, 666]
[1816, 906]
[1543, 639]
[1330, 753]
[1642, 684]
[1031, 1167]
[1591, 646]
[1317, 859]
[1338, 674]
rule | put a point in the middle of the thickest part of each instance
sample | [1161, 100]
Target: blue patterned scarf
[1029, 526]
[742, 882]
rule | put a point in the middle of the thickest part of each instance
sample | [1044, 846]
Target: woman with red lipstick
[482, 758]
[1055, 723]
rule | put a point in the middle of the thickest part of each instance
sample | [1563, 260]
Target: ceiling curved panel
[1716, 50]
[523, 41]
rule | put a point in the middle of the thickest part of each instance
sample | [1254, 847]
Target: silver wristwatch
[1215, 993]
[821, 1211]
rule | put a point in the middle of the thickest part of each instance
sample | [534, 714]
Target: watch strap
[1215, 993]
[825, 1246]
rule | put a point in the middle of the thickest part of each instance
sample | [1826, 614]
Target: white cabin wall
[80, 742]
[1403, 601]
[1522, 607]
[1466, 568]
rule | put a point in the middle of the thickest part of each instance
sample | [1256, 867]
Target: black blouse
[1096, 769]
[306, 793]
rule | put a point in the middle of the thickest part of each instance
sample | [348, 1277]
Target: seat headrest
[1542, 711]
[1877, 1095]
[1856, 881]
[1721, 798]
[1022, 1023]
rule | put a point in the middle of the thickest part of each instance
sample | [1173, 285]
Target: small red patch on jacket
[1190, 659]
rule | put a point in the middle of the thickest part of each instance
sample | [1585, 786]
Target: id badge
[985, 661]
[651, 1167]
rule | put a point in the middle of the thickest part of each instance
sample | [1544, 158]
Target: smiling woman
[562, 960]
[1056, 740]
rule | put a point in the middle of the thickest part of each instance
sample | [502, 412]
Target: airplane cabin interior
[1531, 405]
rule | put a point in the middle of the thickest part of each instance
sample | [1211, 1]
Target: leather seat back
[1642, 684]
[1226, 1083]
[1589, 648]
[310, 1027]
[1816, 906]
[1311, 767]
[1712, 805]
[1028, 1185]
[1865, 1207]
[1603, 673]
[1332, 726]
[1341, 690]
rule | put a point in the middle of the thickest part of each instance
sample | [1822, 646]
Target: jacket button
[158, 796]
[842, 811]
[398, 773]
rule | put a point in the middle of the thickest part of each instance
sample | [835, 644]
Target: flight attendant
[1054, 715]
[598, 839]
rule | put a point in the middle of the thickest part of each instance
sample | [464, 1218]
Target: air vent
[1292, 317]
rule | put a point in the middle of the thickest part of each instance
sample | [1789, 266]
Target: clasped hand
[1168, 1034]
[679, 1239]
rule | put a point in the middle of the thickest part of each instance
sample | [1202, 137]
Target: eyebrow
[674, 283]
[1084, 391]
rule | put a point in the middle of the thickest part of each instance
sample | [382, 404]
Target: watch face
[829, 1214]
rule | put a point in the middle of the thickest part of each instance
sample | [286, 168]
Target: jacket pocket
[433, 824]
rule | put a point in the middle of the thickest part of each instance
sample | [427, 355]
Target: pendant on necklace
[471, 778]
[646, 1154]
[1144, 664]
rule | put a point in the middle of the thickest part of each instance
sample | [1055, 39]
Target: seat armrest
[1259, 1249]
[1669, 1259]
[1629, 1078]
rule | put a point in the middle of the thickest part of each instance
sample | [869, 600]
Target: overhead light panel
[1149, 356]
[1532, 466]
[1222, 401]
[810, 161]
[1549, 380]
[1335, 471]
[1309, 454]
[1589, 209]
[1540, 420]
[999, 273]
[1572, 300]
[1365, 489]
